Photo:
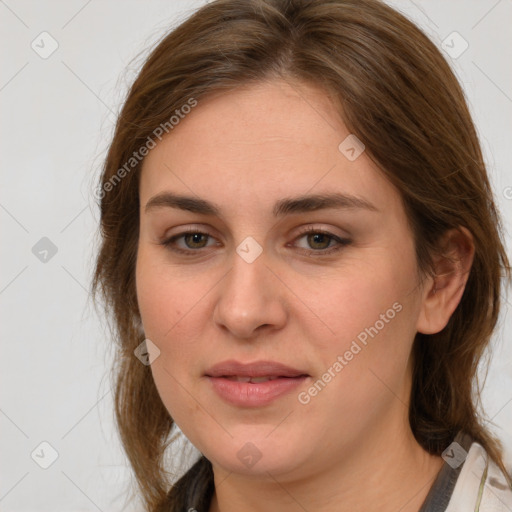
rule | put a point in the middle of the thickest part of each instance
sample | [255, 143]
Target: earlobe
[442, 293]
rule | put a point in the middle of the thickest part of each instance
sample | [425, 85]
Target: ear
[442, 294]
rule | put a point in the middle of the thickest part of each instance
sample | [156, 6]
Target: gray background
[58, 115]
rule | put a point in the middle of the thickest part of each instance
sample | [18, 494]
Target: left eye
[320, 241]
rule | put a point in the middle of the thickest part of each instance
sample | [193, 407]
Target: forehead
[273, 114]
[250, 146]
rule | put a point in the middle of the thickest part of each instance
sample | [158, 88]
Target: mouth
[254, 380]
[255, 384]
[259, 369]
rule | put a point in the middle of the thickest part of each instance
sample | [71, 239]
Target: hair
[396, 92]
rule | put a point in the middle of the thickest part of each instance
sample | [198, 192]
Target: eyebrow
[300, 204]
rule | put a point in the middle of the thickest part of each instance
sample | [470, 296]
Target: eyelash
[342, 242]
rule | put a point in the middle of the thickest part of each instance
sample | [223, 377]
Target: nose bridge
[247, 286]
[250, 296]
[249, 269]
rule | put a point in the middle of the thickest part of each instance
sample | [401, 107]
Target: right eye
[193, 239]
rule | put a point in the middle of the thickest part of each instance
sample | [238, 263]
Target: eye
[321, 241]
[192, 238]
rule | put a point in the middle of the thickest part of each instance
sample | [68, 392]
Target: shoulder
[481, 485]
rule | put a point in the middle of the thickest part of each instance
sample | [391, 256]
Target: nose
[251, 299]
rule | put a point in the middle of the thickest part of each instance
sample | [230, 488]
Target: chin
[256, 454]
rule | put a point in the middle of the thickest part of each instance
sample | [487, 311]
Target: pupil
[195, 238]
[319, 237]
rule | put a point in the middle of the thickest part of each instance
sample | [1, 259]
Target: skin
[351, 445]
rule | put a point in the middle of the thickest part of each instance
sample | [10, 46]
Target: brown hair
[397, 93]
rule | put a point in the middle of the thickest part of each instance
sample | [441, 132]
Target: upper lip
[256, 369]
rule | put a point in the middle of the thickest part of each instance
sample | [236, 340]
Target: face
[251, 270]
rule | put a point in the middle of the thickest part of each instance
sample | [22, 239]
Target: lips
[247, 372]
[253, 380]
[256, 384]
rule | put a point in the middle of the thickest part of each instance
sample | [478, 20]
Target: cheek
[353, 301]
[370, 313]
[165, 298]
[163, 303]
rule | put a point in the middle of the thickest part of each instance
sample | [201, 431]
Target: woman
[303, 260]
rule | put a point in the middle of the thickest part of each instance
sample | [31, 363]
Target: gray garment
[439, 496]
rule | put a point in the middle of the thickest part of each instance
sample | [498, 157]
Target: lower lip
[247, 394]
